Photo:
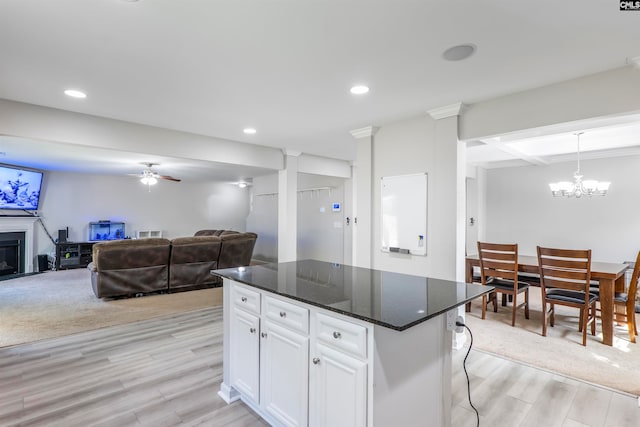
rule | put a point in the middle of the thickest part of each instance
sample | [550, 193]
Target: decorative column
[288, 207]
[362, 197]
[450, 151]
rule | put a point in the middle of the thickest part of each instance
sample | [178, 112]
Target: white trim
[26, 225]
[450, 110]
[368, 131]
[290, 152]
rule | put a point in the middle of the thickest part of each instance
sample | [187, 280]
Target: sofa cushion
[236, 249]
[194, 249]
[192, 259]
[122, 254]
[208, 232]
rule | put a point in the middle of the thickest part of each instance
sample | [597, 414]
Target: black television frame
[8, 199]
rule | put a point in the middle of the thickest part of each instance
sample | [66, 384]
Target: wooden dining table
[610, 277]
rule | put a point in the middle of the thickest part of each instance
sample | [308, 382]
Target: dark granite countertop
[393, 300]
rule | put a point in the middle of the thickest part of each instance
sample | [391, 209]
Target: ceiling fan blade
[168, 178]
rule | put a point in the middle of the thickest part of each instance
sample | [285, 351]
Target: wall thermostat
[336, 207]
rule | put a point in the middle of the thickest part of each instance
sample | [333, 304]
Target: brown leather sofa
[192, 259]
[130, 267]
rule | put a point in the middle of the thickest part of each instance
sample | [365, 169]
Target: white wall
[320, 230]
[178, 209]
[520, 209]
[415, 146]
[318, 237]
[610, 93]
[263, 218]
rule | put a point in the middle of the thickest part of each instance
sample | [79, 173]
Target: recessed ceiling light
[75, 93]
[359, 90]
[460, 52]
[249, 131]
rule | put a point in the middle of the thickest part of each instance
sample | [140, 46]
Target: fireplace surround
[23, 227]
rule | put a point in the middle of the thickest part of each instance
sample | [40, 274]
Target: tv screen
[19, 188]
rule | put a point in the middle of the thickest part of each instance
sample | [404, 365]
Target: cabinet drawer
[342, 335]
[286, 314]
[246, 299]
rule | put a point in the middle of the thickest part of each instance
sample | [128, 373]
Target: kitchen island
[323, 344]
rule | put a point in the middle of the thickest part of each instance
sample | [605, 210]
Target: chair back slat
[497, 265]
[498, 256]
[566, 253]
[569, 275]
[563, 284]
[568, 264]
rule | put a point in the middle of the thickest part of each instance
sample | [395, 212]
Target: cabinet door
[284, 374]
[338, 389]
[244, 351]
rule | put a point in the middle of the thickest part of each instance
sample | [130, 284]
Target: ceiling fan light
[144, 180]
[152, 181]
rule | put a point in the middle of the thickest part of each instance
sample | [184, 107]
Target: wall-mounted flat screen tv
[19, 188]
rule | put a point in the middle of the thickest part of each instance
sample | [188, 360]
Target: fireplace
[21, 228]
[12, 253]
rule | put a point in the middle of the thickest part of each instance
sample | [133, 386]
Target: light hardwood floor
[167, 371]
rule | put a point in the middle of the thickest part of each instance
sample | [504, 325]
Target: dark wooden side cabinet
[73, 254]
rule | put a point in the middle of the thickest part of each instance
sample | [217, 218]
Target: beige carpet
[58, 303]
[616, 367]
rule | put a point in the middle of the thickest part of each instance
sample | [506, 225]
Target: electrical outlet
[451, 319]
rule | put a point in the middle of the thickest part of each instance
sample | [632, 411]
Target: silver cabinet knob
[244, 299]
[283, 314]
[252, 330]
[337, 335]
[263, 334]
[316, 360]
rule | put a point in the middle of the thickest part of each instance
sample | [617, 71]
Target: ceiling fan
[149, 177]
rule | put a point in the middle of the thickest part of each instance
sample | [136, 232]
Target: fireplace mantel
[27, 225]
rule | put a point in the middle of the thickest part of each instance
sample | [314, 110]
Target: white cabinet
[319, 368]
[284, 357]
[269, 347]
[338, 376]
[245, 371]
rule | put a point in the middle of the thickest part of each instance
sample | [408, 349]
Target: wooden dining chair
[626, 301]
[565, 275]
[499, 267]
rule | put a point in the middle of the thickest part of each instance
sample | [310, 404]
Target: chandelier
[578, 187]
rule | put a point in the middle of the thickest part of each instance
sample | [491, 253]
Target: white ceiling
[608, 137]
[285, 67]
